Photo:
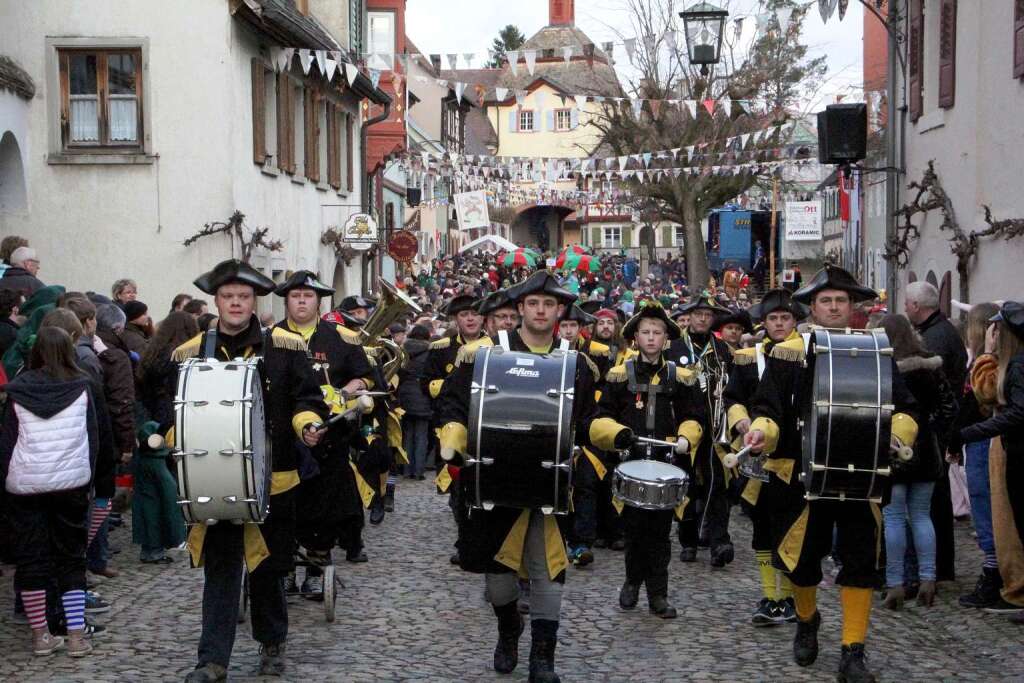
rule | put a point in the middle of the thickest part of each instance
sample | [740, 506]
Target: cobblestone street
[409, 615]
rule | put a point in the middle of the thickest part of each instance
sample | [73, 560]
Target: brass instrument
[393, 304]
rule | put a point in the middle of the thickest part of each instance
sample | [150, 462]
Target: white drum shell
[649, 484]
[220, 442]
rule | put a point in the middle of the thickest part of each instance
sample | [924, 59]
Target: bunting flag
[531, 60]
[580, 101]
[709, 104]
[843, 4]
[783, 16]
[500, 94]
[306, 60]
[468, 57]
[567, 53]
[826, 8]
[453, 61]
[638, 105]
[351, 73]
[513, 61]
[691, 106]
[374, 78]
[630, 44]
[332, 66]
[459, 89]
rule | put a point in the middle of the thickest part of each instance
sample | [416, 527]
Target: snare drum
[649, 484]
[221, 447]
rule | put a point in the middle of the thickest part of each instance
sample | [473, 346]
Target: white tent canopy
[490, 243]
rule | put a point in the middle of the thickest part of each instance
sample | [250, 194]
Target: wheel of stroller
[243, 597]
[330, 594]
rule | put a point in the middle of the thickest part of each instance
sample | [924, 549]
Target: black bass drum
[520, 435]
[846, 422]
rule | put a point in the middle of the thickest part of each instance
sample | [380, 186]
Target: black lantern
[704, 25]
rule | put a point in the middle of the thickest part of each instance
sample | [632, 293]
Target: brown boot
[926, 594]
[78, 646]
[43, 643]
[894, 598]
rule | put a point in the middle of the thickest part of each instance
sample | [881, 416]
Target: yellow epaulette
[349, 336]
[616, 374]
[593, 367]
[442, 343]
[744, 356]
[599, 349]
[791, 350]
[467, 352]
[283, 339]
[480, 342]
[189, 349]
[684, 376]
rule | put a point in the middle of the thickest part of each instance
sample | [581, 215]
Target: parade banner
[472, 210]
[803, 221]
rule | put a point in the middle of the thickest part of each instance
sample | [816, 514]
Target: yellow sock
[806, 599]
[764, 565]
[856, 613]
[785, 586]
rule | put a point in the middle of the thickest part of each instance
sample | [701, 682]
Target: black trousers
[858, 543]
[942, 520]
[706, 518]
[223, 553]
[48, 543]
[648, 536]
[584, 503]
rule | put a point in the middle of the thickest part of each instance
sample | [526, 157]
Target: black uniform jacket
[501, 530]
[440, 363]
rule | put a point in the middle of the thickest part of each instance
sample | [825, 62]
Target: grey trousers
[545, 594]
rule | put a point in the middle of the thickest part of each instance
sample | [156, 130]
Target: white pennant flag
[630, 48]
[306, 59]
[321, 61]
[501, 93]
[670, 40]
[453, 61]
[520, 97]
[691, 105]
[287, 55]
[783, 15]
[332, 66]
[623, 160]
[468, 58]
[744, 139]
[513, 60]
[726, 105]
[531, 60]
[567, 53]
[638, 106]
[676, 172]
[581, 100]
[460, 88]
[351, 73]
[689, 153]
[275, 58]
[675, 153]
[640, 176]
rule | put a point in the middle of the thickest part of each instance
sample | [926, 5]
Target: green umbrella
[519, 257]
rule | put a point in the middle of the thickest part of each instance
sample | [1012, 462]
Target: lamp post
[704, 27]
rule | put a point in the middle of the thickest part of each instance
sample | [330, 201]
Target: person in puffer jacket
[53, 434]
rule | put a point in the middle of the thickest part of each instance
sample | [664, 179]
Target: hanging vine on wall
[236, 229]
[929, 196]
[343, 250]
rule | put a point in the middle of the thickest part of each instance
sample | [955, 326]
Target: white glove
[682, 446]
[447, 453]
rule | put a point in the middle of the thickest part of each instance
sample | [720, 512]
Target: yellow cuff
[904, 428]
[300, 420]
[782, 467]
[737, 413]
[169, 438]
[283, 481]
[603, 431]
[771, 432]
[453, 435]
[435, 387]
[692, 432]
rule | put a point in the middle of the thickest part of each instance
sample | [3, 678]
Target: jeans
[981, 496]
[416, 444]
[909, 501]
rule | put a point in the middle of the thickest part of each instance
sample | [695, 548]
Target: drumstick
[730, 460]
[655, 442]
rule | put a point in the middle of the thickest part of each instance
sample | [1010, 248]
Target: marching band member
[329, 508]
[291, 398]
[608, 331]
[499, 313]
[802, 529]
[732, 327]
[503, 541]
[706, 518]
[780, 315]
[631, 406]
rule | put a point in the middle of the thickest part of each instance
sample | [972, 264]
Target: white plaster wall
[94, 224]
[14, 118]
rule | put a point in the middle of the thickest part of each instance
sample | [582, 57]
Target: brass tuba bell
[393, 304]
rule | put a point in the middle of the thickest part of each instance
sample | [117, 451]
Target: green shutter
[666, 236]
[595, 237]
[627, 235]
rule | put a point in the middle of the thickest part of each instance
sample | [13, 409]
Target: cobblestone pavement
[409, 615]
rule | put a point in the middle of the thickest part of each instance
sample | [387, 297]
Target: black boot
[510, 627]
[542, 651]
[986, 591]
[661, 607]
[853, 666]
[629, 595]
[805, 644]
[389, 498]
[688, 554]
[377, 510]
[722, 555]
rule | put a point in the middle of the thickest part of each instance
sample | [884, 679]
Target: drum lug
[475, 388]
[810, 496]
[211, 522]
[553, 393]
[487, 504]
[547, 509]
[884, 471]
[230, 499]
[232, 452]
[199, 452]
[480, 461]
[815, 467]
[203, 499]
[550, 464]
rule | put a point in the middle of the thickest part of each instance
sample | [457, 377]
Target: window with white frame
[612, 237]
[381, 38]
[679, 236]
[525, 120]
[563, 119]
[100, 99]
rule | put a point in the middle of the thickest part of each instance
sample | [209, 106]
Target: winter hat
[134, 309]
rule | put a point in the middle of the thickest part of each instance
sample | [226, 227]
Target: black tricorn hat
[834, 277]
[354, 301]
[459, 303]
[741, 318]
[651, 310]
[778, 300]
[576, 313]
[234, 271]
[1011, 314]
[590, 307]
[541, 282]
[303, 279]
[493, 301]
[704, 300]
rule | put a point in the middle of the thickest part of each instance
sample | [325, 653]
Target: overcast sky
[446, 26]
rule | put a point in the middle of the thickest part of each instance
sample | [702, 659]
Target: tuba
[393, 304]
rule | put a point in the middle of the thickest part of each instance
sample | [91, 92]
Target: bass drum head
[259, 443]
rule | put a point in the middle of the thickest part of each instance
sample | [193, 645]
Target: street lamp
[704, 26]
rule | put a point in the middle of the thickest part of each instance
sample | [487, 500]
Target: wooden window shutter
[1018, 38]
[285, 153]
[310, 133]
[947, 54]
[349, 154]
[915, 84]
[259, 114]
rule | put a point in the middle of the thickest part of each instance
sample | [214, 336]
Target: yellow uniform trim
[681, 508]
[793, 542]
[771, 433]
[283, 339]
[454, 435]
[442, 343]
[187, 350]
[752, 491]
[599, 349]
[684, 376]
[744, 356]
[791, 350]
[603, 431]
[435, 387]
[283, 481]
[618, 505]
[366, 492]
[169, 438]
[300, 420]
[253, 543]
[904, 428]
[782, 467]
[511, 552]
[349, 336]
[598, 466]
[736, 414]
[443, 479]
[616, 374]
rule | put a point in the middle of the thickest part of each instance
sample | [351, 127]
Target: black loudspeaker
[842, 133]
[412, 196]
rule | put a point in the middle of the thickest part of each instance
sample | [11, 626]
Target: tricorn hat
[459, 303]
[592, 306]
[1011, 314]
[234, 271]
[704, 300]
[576, 313]
[541, 282]
[741, 318]
[493, 301]
[778, 300]
[303, 279]
[651, 310]
[834, 277]
[351, 303]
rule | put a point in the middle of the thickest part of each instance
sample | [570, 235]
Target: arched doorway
[338, 283]
[12, 175]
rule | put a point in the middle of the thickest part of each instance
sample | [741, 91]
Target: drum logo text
[522, 372]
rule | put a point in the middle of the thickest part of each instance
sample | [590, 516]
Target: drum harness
[651, 390]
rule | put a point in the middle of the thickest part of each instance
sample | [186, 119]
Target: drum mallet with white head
[730, 460]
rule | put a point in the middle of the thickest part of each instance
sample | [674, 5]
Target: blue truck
[733, 237]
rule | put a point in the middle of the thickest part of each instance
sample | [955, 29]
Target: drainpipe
[896, 139]
[365, 201]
